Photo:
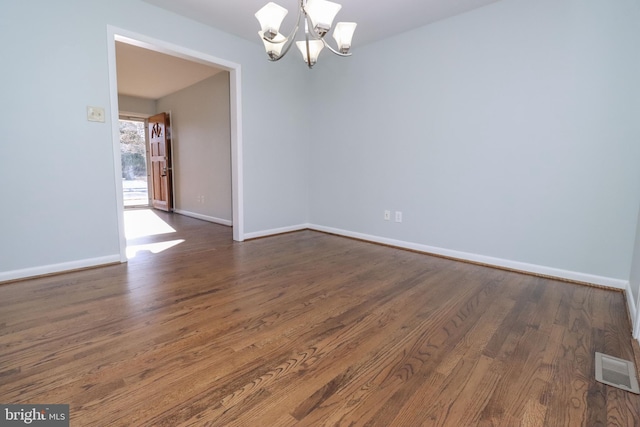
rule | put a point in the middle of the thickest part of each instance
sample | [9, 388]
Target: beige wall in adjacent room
[202, 147]
[131, 105]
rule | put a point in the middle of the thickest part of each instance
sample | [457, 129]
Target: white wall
[58, 168]
[202, 147]
[509, 132]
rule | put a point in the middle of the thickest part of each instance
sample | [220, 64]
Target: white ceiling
[376, 19]
[147, 74]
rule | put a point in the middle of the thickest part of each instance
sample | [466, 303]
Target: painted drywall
[136, 106]
[510, 132]
[58, 168]
[202, 147]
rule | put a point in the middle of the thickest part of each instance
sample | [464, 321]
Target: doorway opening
[234, 72]
[133, 155]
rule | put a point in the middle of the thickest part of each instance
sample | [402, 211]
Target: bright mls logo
[36, 415]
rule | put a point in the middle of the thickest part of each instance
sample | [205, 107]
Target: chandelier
[318, 19]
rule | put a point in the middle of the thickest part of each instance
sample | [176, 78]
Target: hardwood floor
[310, 329]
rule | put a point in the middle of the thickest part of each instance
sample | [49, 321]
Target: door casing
[237, 183]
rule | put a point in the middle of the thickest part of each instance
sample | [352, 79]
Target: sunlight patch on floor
[155, 248]
[144, 222]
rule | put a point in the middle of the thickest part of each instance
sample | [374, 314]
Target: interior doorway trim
[235, 100]
[636, 325]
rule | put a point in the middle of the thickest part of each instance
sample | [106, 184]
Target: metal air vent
[616, 372]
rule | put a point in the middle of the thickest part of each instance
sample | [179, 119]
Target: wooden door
[160, 154]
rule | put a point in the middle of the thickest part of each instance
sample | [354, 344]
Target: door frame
[235, 100]
[636, 326]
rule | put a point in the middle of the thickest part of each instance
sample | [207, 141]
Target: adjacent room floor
[308, 329]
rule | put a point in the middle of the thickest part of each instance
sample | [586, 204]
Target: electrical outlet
[398, 216]
[387, 215]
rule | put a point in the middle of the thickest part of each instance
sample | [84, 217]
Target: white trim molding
[204, 217]
[482, 259]
[7, 276]
[635, 316]
[237, 156]
[633, 311]
[275, 231]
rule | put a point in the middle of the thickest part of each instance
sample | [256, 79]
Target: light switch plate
[95, 114]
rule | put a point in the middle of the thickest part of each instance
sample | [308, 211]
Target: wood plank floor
[310, 329]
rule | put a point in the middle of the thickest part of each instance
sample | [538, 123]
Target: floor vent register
[616, 372]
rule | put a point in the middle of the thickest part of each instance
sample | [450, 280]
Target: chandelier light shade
[322, 13]
[343, 35]
[318, 16]
[273, 47]
[270, 18]
[311, 52]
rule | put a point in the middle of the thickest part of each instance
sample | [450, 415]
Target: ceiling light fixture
[318, 19]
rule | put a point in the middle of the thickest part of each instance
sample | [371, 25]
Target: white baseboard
[497, 262]
[6, 276]
[274, 231]
[204, 217]
[633, 311]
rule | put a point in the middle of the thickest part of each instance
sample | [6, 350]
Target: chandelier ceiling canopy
[318, 16]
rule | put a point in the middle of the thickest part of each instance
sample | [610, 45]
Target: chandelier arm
[328, 46]
[306, 38]
[313, 31]
[287, 46]
[317, 36]
[293, 32]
